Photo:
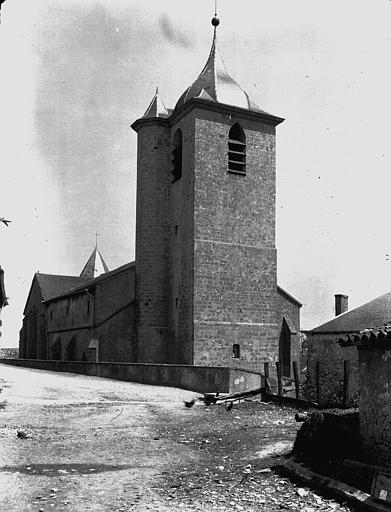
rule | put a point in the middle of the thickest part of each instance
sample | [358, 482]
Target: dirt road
[101, 445]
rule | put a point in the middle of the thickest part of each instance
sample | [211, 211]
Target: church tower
[206, 264]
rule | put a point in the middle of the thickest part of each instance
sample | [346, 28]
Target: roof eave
[91, 283]
[289, 296]
[313, 332]
[146, 121]
[205, 104]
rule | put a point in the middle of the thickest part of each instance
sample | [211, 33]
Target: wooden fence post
[279, 378]
[267, 377]
[297, 380]
[346, 382]
[317, 378]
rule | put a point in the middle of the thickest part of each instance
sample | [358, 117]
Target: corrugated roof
[374, 314]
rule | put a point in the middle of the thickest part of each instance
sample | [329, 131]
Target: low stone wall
[375, 403]
[324, 348]
[203, 379]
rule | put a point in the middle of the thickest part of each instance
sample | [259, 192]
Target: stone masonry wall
[375, 404]
[33, 333]
[110, 307]
[290, 310]
[234, 253]
[152, 271]
[115, 317]
[181, 229]
[325, 349]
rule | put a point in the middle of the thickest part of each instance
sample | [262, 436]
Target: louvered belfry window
[237, 150]
[177, 156]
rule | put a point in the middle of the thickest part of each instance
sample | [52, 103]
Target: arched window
[237, 150]
[177, 156]
[236, 351]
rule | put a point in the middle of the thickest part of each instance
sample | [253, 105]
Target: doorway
[285, 349]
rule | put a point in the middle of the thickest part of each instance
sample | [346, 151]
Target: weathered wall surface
[203, 379]
[375, 403]
[290, 310]
[106, 313]
[33, 343]
[115, 317]
[152, 270]
[234, 245]
[181, 242]
[325, 349]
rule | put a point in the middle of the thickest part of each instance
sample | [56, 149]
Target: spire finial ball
[215, 21]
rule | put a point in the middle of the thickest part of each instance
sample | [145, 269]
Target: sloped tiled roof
[52, 285]
[371, 339]
[87, 283]
[373, 314]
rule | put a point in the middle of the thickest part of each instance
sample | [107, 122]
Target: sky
[75, 76]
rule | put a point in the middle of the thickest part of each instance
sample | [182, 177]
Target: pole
[279, 378]
[297, 380]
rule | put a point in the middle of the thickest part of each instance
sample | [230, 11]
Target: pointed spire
[214, 82]
[95, 265]
[156, 108]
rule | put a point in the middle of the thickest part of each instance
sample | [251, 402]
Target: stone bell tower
[206, 263]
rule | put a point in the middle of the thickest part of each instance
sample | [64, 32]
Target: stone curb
[359, 499]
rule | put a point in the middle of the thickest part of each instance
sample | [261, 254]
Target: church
[203, 289]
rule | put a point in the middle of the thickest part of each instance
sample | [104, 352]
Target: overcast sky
[74, 76]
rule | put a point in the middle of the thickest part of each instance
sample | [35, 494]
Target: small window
[67, 310]
[51, 315]
[236, 351]
[237, 150]
[177, 156]
[88, 307]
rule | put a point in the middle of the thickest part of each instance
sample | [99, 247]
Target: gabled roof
[89, 283]
[373, 314]
[95, 265]
[51, 285]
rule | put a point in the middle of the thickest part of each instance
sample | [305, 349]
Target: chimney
[341, 303]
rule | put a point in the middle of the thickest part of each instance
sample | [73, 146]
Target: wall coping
[164, 365]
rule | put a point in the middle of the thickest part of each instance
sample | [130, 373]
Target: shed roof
[373, 314]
